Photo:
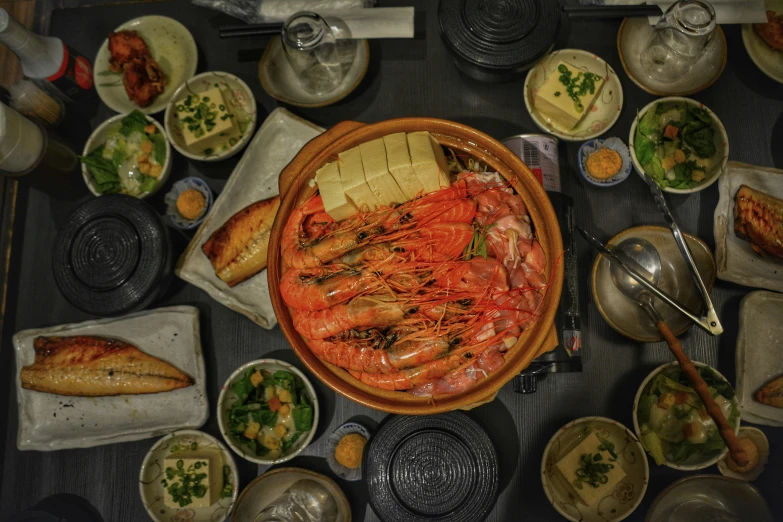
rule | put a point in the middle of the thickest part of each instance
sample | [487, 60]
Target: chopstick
[605, 12]
[243, 30]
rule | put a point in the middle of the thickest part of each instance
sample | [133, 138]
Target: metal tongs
[709, 322]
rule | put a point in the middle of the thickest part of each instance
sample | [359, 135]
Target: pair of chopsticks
[606, 12]
[243, 30]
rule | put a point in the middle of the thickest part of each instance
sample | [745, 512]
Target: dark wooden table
[406, 78]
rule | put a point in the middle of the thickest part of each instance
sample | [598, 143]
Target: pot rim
[479, 145]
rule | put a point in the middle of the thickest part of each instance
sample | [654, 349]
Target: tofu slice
[336, 203]
[377, 175]
[428, 160]
[207, 461]
[399, 161]
[353, 181]
[553, 101]
[568, 465]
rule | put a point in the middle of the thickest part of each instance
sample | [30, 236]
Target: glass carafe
[679, 40]
[317, 58]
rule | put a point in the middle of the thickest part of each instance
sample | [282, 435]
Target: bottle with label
[540, 153]
[47, 58]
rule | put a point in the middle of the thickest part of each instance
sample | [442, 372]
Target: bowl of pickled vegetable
[267, 411]
[670, 420]
[680, 143]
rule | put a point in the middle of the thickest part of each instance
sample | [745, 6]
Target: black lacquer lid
[112, 256]
[431, 468]
[501, 35]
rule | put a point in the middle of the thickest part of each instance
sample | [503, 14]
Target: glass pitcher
[679, 40]
[317, 57]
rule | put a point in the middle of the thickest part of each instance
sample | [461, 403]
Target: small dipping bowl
[615, 144]
[762, 444]
[170, 199]
[345, 473]
[627, 317]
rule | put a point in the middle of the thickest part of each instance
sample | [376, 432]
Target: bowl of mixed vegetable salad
[127, 154]
[679, 143]
[267, 411]
[670, 420]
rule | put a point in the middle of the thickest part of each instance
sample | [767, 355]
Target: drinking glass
[314, 53]
[679, 40]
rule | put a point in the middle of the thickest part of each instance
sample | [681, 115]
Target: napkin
[726, 11]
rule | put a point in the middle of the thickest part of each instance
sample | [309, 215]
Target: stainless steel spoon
[644, 258]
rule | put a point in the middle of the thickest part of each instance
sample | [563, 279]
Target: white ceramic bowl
[227, 398]
[721, 144]
[152, 472]
[638, 429]
[624, 497]
[98, 137]
[170, 44]
[200, 83]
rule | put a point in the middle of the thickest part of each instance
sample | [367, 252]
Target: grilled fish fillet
[238, 249]
[772, 393]
[94, 366]
[758, 219]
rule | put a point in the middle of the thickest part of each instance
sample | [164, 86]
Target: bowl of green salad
[127, 154]
[267, 411]
[670, 420]
[680, 144]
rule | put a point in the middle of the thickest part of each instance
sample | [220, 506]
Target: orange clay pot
[538, 337]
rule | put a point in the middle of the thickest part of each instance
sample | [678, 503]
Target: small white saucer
[280, 82]
[633, 36]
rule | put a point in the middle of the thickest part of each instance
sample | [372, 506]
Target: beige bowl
[295, 188]
[98, 137]
[721, 144]
[624, 498]
[227, 398]
[628, 318]
[705, 462]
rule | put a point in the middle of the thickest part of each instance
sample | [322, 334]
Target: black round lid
[431, 468]
[111, 256]
[499, 34]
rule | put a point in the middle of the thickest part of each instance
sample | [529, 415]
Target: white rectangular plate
[255, 178]
[50, 422]
[736, 261]
[759, 356]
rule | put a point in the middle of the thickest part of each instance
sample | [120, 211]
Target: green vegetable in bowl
[674, 424]
[130, 160]
[675, 144]
[271, 413]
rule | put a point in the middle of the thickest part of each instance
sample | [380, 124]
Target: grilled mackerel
[89, 366]
[758, 219]
[238, 249]
[772, 393]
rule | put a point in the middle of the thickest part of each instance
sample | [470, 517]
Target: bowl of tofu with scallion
[267, 411]
[211, 117]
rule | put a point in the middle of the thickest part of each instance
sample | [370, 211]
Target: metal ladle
[644, 258]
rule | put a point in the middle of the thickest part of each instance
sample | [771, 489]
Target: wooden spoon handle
[725, 429]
